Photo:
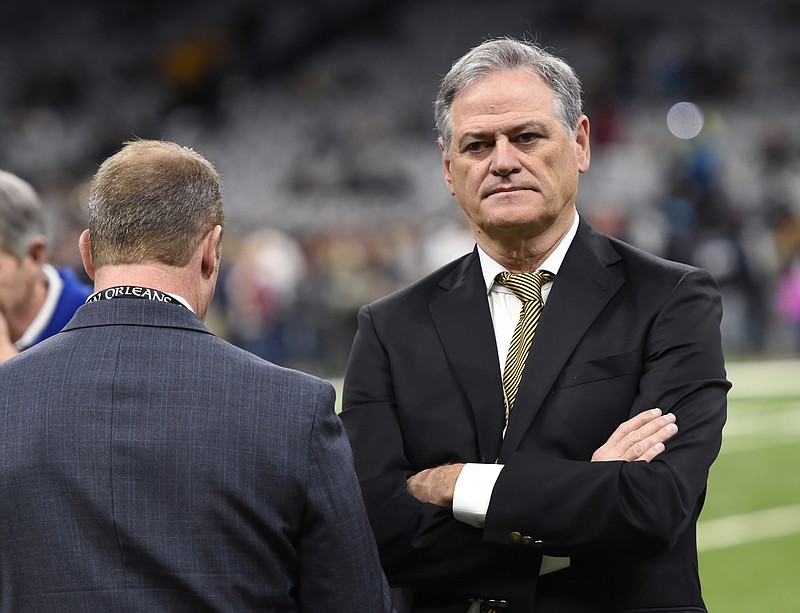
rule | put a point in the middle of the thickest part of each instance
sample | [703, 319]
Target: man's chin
[518, 217]
[517, 196]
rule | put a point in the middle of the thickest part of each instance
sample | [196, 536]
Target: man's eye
[527, 137]
[476, 146]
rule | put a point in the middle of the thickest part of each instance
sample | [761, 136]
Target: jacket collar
[122, 311]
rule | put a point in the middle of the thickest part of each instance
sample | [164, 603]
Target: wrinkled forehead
[516, 93]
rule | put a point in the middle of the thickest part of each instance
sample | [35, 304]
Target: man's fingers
[650, 447]
[632, 425]
[653, 431]
[651, 453]
[639, 438]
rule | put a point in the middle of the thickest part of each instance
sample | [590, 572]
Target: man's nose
[505, 158]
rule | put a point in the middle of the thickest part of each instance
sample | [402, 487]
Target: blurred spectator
[787, 300]
[261, 290]
[445, 238]
[36, 300]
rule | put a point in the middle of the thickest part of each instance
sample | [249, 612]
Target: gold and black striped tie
[528, 288]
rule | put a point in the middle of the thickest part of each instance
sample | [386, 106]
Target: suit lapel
[584, 285]
[462, 319]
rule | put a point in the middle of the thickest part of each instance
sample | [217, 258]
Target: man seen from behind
[147, 465]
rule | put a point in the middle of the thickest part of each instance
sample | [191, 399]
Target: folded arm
[641, 438]
[638, 507]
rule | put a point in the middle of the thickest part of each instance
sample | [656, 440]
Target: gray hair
[21, 215]
[503, 54]
[153, 201]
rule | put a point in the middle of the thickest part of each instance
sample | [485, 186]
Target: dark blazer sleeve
[422, 546]
[583, 508]
[339, 567]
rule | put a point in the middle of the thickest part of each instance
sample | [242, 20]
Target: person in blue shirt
[36, 299]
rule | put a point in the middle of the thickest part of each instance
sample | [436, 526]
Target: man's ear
[582, 150]
[448, 177]
[37, 249]
[211, 251]
[85, 247]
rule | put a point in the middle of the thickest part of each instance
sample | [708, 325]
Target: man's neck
[161, 277]
[519, 252]
[20, 319]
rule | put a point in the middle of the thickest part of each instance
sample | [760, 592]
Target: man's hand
[7, 349]
[640, 438]
[435, 485]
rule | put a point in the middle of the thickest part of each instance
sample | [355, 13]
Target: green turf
[753, 480]
[758, 469]
[754, 578]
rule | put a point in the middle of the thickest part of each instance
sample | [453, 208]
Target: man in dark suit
[147, 465]
[487, 492]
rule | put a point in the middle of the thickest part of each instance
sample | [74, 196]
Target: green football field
[749, 532]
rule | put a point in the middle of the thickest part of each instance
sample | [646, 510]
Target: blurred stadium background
[319, 116]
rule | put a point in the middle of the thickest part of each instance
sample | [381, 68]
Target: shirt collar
[180, 299]
[491, 268]
[45, 314]
[183, 301]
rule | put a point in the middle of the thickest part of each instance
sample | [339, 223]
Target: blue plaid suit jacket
[147, 465]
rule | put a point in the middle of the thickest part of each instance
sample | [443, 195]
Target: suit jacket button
[516, 537]
[527, 541]
[497, 604]
[538, 544]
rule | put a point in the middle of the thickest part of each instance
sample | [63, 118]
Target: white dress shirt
[474, 486]
[54, 287]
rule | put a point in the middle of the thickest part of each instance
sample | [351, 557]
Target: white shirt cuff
[473, 492]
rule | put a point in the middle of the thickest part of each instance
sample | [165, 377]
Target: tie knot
[525, 285]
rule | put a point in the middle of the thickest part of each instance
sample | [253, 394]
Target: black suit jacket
[622, 331]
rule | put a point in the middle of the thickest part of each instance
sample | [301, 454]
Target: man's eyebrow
[519, 128]
[528, 126]
[473, 135]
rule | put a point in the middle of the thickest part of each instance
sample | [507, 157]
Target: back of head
[505, 54]
[152, 202]
[21, 215]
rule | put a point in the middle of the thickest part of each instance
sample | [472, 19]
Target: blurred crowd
[319, 117]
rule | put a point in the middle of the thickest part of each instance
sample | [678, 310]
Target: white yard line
[748, 527]
[746, 445]
[785, 423]
[764, 378]
[754, 432]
